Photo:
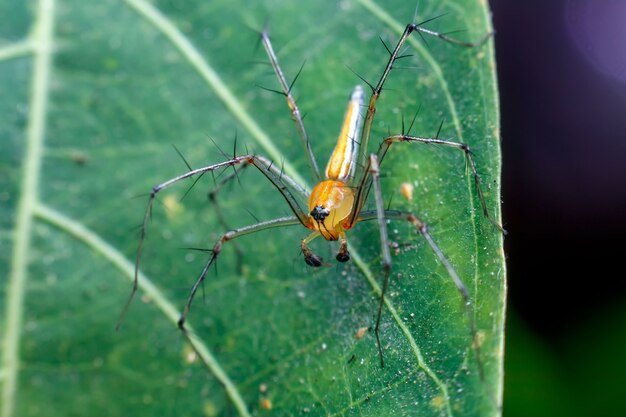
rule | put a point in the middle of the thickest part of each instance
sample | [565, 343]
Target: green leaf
[95, 93]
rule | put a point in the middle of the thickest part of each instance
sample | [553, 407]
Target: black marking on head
[319, 213]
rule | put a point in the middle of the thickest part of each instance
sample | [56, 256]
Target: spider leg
[371, 107]
[295, 112]
[376, 90]
[343, 255]
[213, 193]
[283, 183]
[365, 184]
[310, 258]
[384, 246]
[451, 40]
[381, 214]
[217, 248]
[220, 215]
[384, 147]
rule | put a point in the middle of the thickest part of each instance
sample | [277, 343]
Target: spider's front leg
[283, 183]
[291, 102]
[212, 194]
[217, 249]
[275, 172]
[395, 55]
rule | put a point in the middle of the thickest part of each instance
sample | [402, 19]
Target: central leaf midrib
[42, 43]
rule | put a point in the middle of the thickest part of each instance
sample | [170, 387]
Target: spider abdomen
[342, 161]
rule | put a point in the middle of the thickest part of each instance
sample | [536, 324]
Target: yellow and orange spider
[336, 203]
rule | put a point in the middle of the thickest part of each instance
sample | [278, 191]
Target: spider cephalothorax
[330, 206]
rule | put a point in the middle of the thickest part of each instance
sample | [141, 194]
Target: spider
[336, 203]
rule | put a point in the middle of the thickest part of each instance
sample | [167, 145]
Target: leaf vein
[394, 313]
[201, 65]
[100, 246]
[16, 50]
[42, 39]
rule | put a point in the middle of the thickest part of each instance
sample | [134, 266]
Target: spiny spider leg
[384, 245]
[382, 151]
[363, 174]
[235, 174]
[381, 215]
[220, 215]
[217, 248]
[295, 112]
[453, 40]
[395, 54]
[365, 184]
[277, 177]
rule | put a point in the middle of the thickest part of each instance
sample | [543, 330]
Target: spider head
[330, 205]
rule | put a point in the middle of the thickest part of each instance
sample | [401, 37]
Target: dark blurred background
[562, 76]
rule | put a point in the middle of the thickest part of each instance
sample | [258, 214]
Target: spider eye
[319, 213]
